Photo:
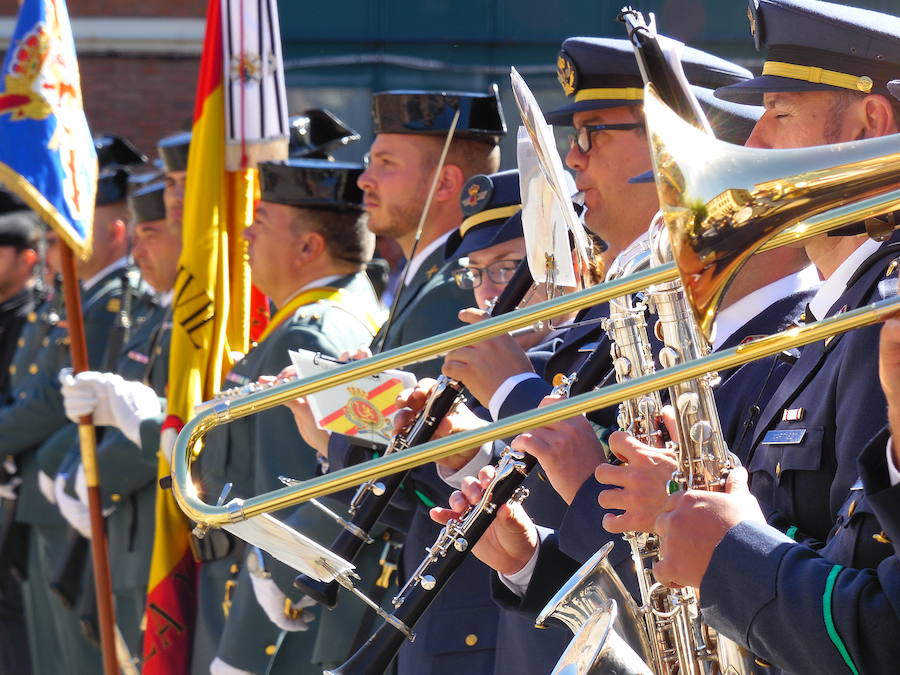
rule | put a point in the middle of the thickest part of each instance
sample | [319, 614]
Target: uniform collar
[165, 299]
[833, 287]
[420, 257]
[730, 319]
[88, 284]
[315, 283]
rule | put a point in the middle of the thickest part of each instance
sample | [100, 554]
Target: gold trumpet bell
[720, 202]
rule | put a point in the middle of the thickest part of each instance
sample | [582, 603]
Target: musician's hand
[484, 366]
[692, 525]
[358, 354]
[641, 481]
[411, 401]
[889, 368]
[567, 450]
[510, 541]
[314, 437]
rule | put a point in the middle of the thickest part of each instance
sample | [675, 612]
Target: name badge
[137, 356]
[783, 436]
[588, 347]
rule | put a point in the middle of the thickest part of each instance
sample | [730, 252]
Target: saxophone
[673, 639]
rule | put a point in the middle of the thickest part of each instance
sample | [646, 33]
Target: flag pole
[88, 441]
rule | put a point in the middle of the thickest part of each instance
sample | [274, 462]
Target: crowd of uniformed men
[797, 560]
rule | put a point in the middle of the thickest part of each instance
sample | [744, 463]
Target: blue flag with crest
[47, 155]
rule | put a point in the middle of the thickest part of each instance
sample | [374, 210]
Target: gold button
[316, 317]
[45, 342]
[21, 342]
[271, 649]
[851, 508]
[115, 497]
[158, 351]
[471, 640]
[778, 470]
[235, 568]
[33, 369]
[12, 369]
[881, 538]
[22, 395]
[32, 317]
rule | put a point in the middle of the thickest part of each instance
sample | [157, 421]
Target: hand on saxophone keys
[639, 482]
[511, 540]
[694, 522]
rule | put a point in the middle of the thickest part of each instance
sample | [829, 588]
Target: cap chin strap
[817, 75]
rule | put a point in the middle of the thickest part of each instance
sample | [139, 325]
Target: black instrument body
[380, 649]
[347, 545]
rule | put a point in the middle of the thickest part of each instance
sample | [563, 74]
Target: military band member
[798, 608]
[459, 630]
[35, 425]
[307, 247]
[128, 399]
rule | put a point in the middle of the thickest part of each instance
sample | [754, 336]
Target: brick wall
[119, 8]
[142, 98]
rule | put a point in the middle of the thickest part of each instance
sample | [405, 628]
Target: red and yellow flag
[211, 304]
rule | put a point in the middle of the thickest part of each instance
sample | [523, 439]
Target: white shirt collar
[836, 284]
[740, 312]
[420, 257]
[315, 283]
[165, 299]
[88, 284]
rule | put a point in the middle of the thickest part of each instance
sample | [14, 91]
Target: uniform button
[851, 508]
[32, 317]
[21, 342]
[234, 569]
[115, 497]
[762, 663]
[471, 640]
[881, 538]
[22, 395]
[316, 317]
[45, 342]
[271, 649]
[33, 369]
[12, 369]
[158, 351]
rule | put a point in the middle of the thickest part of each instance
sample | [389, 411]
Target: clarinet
[453, 543]
[372, 498]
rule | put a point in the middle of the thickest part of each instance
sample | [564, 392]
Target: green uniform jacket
[251, 453]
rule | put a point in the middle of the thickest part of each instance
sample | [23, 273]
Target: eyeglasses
[500, 272]
[583, 135]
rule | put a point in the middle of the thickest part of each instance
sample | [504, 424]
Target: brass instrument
[730, 195]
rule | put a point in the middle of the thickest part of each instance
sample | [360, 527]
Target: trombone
[707, 205]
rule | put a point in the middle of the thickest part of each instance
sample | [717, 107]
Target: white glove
[45, 485]
[72, 509]
[273, 601]
[113, 401]
[219, 667]
[8, 490]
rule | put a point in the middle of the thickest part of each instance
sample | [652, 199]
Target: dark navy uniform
[829, 610]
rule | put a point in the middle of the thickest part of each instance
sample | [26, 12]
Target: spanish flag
[232, 129]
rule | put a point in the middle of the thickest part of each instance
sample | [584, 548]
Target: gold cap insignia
[566, 73]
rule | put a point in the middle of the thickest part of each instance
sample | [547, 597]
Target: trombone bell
[721, 203]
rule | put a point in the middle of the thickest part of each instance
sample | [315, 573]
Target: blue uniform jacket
[829, 611]
[804, 448]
